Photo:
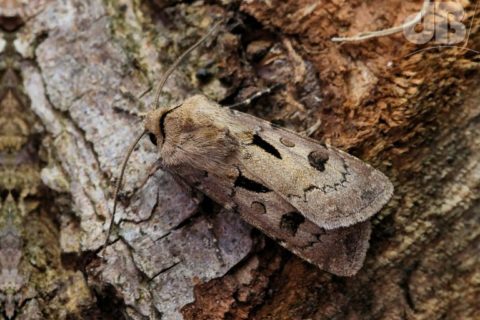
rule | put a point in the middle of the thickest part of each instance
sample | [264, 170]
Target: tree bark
[88, 70]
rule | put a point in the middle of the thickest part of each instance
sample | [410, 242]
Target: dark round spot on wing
[291, 221]
[318, 159]
[258, 207]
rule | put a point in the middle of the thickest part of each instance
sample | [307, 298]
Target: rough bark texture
[85, 73]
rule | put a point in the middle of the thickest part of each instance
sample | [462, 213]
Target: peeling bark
[84, 74]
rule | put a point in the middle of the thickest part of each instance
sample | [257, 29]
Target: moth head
[153, 125]
[154, 119]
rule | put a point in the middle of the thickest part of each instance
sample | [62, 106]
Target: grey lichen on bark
[89, 73]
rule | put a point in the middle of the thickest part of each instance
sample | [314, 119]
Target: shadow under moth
[312, 198]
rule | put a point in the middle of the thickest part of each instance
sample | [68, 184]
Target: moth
[312, 198]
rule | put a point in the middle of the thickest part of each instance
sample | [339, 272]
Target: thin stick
[119, 185]
[386, 32]
[179, 60]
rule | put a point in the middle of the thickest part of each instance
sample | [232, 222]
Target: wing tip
[351, 256]
[384, 188]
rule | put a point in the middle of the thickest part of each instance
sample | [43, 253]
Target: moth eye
[153, 138]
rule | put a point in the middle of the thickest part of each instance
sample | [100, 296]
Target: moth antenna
[157, 102]
[180, 59]
[119, 185]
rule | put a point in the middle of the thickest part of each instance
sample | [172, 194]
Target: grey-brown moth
[312, 198]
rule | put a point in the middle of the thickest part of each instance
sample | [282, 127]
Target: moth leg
[157, 165]
[187, 187]
[255, 96]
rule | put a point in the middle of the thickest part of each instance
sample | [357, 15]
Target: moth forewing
[330, 187]
[340, 251]
[289, 186]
